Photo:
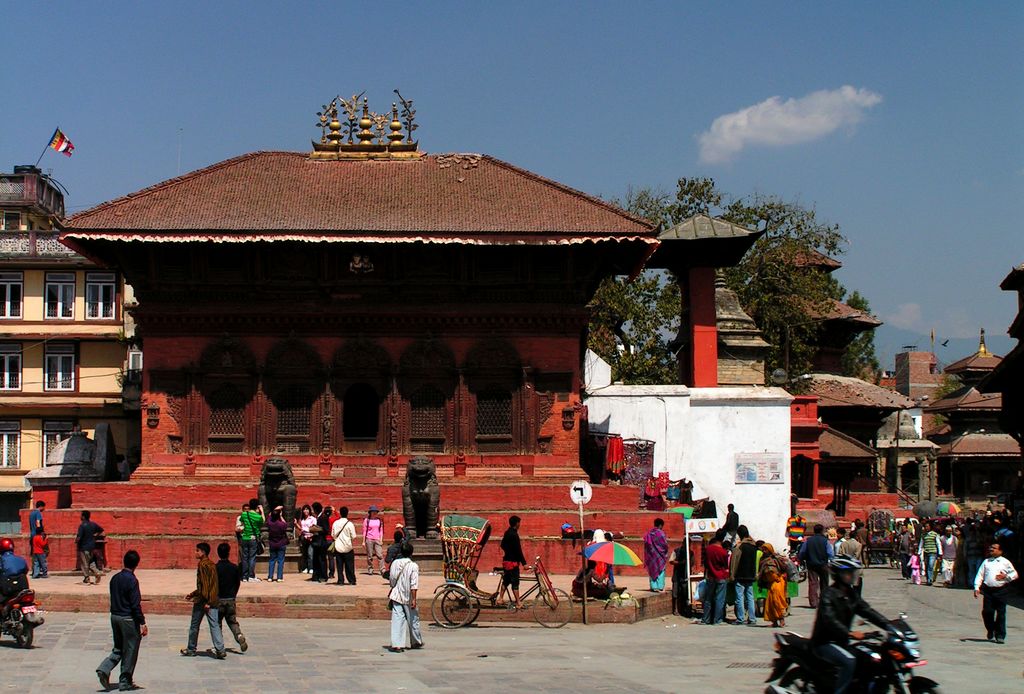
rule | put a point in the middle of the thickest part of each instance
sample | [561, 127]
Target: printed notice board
[759, 468]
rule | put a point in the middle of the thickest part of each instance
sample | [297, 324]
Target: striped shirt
[796, 526]
[930, 542]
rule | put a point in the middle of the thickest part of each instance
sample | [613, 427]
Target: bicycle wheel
[554, 609]
[458, 608]
[436, 612]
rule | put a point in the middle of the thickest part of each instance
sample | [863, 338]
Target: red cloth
[716, 562]
[39, 544]
[615, 455]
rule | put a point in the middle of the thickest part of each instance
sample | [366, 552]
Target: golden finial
[365, 135]
[982, 349]
[395, 136]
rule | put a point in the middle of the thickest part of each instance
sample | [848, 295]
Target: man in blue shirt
[816, 553]
[85, 542]
[35, 521]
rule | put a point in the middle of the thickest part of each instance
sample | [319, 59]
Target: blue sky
[921, 161]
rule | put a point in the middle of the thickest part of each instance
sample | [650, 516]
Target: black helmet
[844, 564]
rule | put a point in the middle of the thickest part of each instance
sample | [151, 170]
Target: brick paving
[666, 654]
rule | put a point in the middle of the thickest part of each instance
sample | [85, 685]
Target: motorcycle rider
[13, 570]
[838, 605]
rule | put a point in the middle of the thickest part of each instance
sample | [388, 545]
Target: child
[915, 569]
[40, 548]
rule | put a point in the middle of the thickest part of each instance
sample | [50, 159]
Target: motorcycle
[19, 617]
[885, 662]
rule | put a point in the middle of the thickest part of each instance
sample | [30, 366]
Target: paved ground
[660, 655]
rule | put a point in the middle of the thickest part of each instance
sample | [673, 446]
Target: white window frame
[55, 431]
[10, 281]
[10, 366]
[59, 368]
[10, 444]
[64, 284]
[96, 285]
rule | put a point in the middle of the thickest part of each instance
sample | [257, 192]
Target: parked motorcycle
[19, 617]
[885, 662]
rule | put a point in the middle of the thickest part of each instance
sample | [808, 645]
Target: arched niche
[493, 364]
[361, 361]
[427, 362]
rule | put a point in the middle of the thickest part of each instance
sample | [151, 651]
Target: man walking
[204, 604]
[743, 572]
[344, 533]
[85, 543]
[947, 547]
[930, 553]
[816, 553]
[405, 618]
[229, 580]
[512, 559]
[993, 580]
[127, 623]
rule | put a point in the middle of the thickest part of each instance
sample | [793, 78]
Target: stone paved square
[662, 655]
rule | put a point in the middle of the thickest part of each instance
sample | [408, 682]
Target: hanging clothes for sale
[639, 454]
[615, 455]
[650, 497]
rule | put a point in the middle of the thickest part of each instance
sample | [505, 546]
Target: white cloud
[776, 123]
[906, 316]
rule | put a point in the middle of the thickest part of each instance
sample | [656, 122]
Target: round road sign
[580, 492]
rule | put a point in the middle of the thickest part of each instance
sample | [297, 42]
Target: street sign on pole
[580, 492]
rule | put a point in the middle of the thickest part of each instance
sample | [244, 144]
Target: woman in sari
[772, 577]
[656, 555]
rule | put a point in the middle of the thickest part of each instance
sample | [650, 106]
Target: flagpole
[47, 147]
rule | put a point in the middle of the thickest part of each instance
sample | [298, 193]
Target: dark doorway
[360, 418]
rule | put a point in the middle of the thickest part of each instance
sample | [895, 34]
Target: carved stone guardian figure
[421, 498]
[277, 488]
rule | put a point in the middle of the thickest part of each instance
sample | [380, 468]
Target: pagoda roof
[1014, 280]
[702, 241]
[845, 391]
[814, 258]
[835, 445]
[976, 362]
[440, 198]
[702, 226]
[967, 398]
[981, 444]
[837, 310]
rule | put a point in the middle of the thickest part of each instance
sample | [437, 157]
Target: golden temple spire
[365, 134]
[982, 349]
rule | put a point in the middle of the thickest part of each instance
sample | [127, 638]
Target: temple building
[356, 306]
[63, 351]
[977, 459]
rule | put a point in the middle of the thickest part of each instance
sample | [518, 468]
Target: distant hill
[889, 341]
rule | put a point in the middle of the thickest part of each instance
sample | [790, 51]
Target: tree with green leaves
[778, 283]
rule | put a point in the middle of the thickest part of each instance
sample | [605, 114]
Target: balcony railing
[33, 244]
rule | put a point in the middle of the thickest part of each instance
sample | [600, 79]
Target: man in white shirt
[993, 580]
[405, 619]
[947, 549]
[344, 533]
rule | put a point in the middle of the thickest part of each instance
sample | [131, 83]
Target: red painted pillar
[700, 297]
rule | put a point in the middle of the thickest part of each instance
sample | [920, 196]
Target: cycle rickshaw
[458, 601]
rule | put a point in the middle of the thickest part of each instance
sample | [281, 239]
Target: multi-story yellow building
[64, 357]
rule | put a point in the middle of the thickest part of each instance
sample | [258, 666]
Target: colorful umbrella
[947, 508]
[612, 553]
[685, 511]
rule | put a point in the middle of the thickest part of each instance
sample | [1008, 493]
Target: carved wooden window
[293, 418]
[227, 420]
[360, 418]
[427, 420]
[494, 421]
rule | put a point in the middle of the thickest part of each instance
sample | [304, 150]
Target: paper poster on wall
[759, 468]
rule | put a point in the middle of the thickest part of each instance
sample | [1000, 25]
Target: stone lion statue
[421, 498]
[277, 488]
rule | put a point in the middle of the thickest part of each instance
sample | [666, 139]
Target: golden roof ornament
[982, 349]
[365, 134]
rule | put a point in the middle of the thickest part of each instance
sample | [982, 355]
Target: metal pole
[583, 556]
